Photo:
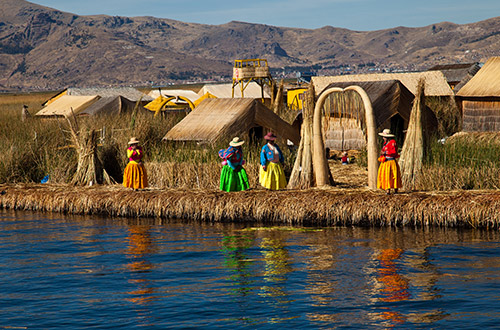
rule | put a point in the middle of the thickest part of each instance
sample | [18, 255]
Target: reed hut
[457, 75]
[130, 93]
[67, 105]
[220, 118]
[344, 125]
[479, 99]
[112, 105]
[435, 81]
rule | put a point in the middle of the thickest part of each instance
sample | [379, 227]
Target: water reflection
[276, 267]
[236, 259]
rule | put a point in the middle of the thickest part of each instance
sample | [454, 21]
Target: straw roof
[111, 105]
[218, 118]
[485, 83]
[189, 94]
[63, 105]
[455, 73]
[253, 90]
[128, 92]
[435, 82]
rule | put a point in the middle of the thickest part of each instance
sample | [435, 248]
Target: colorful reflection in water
[81, 272]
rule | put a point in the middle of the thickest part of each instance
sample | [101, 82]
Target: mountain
[43, 48]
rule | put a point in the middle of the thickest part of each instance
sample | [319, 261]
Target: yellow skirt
[273, 177]
[135, 176]
[389, 175]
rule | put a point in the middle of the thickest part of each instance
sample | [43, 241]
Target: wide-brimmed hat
[386, 133]
[133, 140]
[270, 136]
[236, 142]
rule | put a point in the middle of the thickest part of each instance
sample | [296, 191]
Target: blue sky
[361, 15]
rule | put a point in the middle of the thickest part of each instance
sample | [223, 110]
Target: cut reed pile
[313, 207]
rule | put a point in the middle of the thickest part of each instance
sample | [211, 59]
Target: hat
[270, 136]
[386, 133]
[236, 142]
[133, 140]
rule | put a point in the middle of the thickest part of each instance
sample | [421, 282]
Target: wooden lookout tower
[246, 71]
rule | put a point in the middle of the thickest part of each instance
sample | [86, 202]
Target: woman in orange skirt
[389, 174]
[135, 175]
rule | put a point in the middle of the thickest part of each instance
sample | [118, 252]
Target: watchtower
[246, 71]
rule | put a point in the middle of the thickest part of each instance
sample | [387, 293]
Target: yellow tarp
[207, 95]
[294, 98]
[158, 103]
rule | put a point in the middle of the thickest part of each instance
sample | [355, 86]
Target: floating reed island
[312, 207]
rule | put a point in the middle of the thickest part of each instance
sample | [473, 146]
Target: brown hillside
[45, 48]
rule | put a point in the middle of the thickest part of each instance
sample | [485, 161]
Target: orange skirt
[135, 176]
[389, 175]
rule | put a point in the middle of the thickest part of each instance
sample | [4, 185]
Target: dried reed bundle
[89, 169]
[302, 175]
[413, 149]
[278, 100]
[318, 207]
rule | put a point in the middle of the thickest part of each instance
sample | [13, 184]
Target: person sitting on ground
[233, 176]
[344, 158]
[389, 173]
[271, 174]
[134, 175]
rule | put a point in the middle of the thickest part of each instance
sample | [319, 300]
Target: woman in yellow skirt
[389, 174]
[271, 174]
[135, 175]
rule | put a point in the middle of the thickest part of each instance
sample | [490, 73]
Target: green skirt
[233, 180]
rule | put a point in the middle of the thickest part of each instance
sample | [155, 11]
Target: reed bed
[312, 207]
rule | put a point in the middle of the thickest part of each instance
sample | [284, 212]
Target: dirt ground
[348, 176]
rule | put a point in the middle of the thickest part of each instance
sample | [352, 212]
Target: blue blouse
[266, 155]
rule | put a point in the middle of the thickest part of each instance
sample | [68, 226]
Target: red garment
[390, 149]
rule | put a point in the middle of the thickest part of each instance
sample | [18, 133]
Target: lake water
[70, 272]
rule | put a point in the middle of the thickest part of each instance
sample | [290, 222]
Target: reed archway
[320, 164]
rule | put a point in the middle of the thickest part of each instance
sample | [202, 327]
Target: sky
[358, 15]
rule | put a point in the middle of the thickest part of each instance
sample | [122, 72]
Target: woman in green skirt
[233, 176]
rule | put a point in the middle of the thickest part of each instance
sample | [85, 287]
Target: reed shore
[313, 207]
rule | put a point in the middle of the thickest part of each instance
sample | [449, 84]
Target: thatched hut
[435, 82]
[130, 93]
[391, 101]
[111, 105]
[479, 99]
[67, 105]
[220, 118]
[457, 75]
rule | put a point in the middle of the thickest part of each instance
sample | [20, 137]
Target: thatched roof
[128, 92]
[189, 94]
[455, 73]
[111, 105]
[220, 118]
[63, 105]
[435, 82]
[485, 83]
[253, 90]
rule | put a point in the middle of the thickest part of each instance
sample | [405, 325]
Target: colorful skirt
[389, 175]
[273, 177]
[135, 176]
[233, 180]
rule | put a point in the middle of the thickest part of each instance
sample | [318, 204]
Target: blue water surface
[72, 272]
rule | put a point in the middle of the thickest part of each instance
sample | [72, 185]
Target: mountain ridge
[44, 48]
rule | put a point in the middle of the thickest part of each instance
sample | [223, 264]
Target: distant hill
[43, 48]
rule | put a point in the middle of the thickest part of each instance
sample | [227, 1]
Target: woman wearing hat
[389, 174]
[271, 174]
[135, 175]
[233, 176]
